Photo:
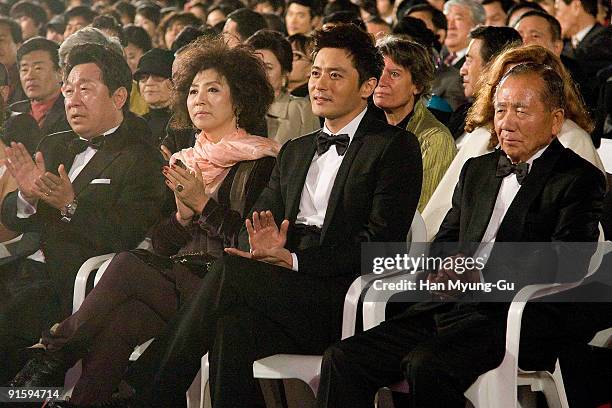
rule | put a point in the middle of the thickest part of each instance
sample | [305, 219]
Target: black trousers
[29, 305]
[245, 310]
[439, 349]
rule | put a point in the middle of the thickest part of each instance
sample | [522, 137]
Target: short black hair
[81, 11]
[110, 23]
[248, 22]
[276, 43]
[40, 44]
[415, 29]
[314, 6]
[124, 8]
[138, 36]
[115, 71]
[553, 23]
[29, 9]
[14, 28]
[189, 34]
[150, 12]
[495, 40]
[340, 5]
[522, 5]
[590, 6]
[437, 17]
[345, 17]
[55, 6]
[367, 59]
[506, 5]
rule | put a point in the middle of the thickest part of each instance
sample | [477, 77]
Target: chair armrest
[80, 283]
[375, 301]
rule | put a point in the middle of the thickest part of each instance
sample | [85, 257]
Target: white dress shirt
[320, 180]
[25, 209]
[507, 192]
[579, 36]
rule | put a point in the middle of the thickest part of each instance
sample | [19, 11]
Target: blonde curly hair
[481, 113]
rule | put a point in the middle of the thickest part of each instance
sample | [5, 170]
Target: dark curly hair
[367, 59]
[245, 74]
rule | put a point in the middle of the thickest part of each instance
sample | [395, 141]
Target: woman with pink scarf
[221, 92]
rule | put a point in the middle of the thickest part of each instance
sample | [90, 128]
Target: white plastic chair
[99, 264]
[308, 368]
[498, 387]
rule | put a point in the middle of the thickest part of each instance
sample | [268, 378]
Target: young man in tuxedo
[283, 289]
[531, 190]
[92, 190]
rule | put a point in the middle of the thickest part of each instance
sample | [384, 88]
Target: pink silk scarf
[214, 160]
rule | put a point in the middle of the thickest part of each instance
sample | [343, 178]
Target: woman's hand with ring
[189, 188]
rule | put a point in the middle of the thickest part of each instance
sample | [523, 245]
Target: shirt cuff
[295, 262]
[24, 209]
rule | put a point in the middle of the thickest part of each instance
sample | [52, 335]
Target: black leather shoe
[45, 369]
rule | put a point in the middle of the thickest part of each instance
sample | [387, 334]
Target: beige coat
[290, 117]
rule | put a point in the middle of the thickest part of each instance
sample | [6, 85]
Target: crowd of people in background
[255, 144]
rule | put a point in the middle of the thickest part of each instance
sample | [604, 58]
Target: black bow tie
[506, 167]
[324, 142]
[79, 145]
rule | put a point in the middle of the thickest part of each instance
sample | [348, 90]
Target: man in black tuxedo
[532, 190]
[107, 192]
[357, 181]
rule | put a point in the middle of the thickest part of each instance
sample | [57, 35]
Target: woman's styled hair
[481, 113]
[251, 93]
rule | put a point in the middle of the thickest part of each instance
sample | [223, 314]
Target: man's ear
[557, 120]
[367, 88]
[558, 47]
[120, 97]
[316, 22]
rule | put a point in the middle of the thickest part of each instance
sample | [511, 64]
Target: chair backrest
[417, 236]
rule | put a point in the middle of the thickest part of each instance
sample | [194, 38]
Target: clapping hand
[34, 181]
[24, 170]
[266, 240]
[189, 189]
[446, 275]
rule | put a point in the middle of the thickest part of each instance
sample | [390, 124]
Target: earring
[237, 116]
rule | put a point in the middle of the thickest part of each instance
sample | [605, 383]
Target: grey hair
[476, 9]
[88, 35]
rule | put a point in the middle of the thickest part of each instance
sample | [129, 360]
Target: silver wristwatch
[68, 211]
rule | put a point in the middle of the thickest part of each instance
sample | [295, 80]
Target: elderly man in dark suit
[531, 190]
[41, 80]
[356, 181]
[92, 190]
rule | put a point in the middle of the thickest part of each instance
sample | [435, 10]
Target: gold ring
[47, 193]
[180, 187]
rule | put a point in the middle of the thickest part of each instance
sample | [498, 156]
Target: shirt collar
[459, 54]
[108, 132]
[350, 128]
[579, 36]
[534, 157]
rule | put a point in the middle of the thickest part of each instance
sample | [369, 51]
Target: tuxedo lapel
[482, 207]
[94, 167]
[512, 226]
[343, 172]
[297, 179]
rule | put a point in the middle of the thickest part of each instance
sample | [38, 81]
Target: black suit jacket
[373, 199]
[561, 200]
[113, 212]
[54, 122]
